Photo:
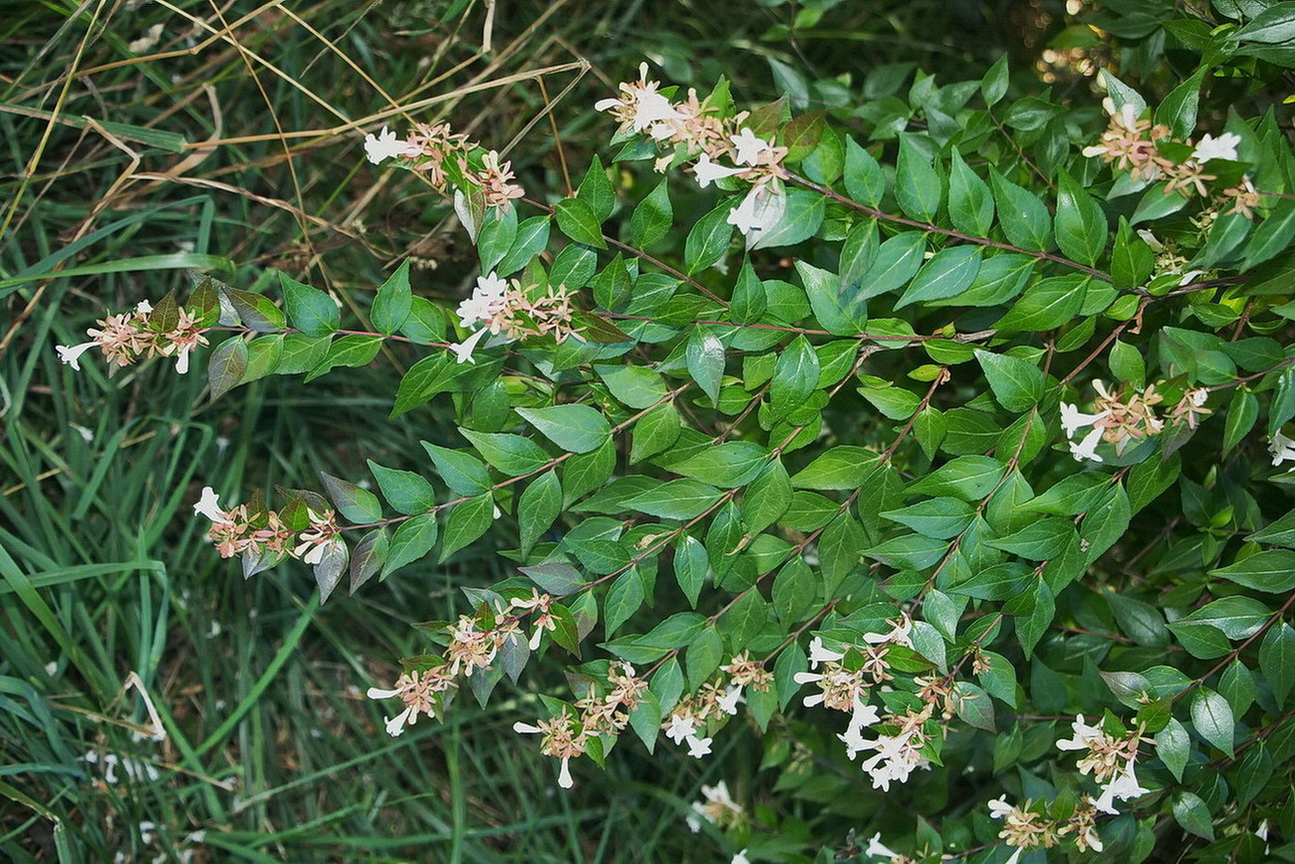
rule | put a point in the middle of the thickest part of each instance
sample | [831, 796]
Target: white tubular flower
[898, 634]
[396, 725]
[1087, 449]
[182, 359]
[999, 808]
[1222, 147]
[698, 747]
[810, 678]
[143, 307]
[749, 147]
[680, 727]
[854, 741]
[740, 857]
[1083, 735]
[1122, 787]
[463, 350]
[876, 849]
[708, 172]
[1282, 449]
[209, 505]
[760, 210]
[863, 716]
[72, 355]
[564, 775]
[385, 145]
[818, 654]
[1072, 419]
[728, 702]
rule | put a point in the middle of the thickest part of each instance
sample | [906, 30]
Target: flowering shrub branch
[913, 467]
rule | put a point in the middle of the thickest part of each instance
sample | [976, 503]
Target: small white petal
[564, 776]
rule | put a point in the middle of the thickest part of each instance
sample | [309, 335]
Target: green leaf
[537, 508]
[357, 505]
[766, 498]
[974, 706]
[971, 204]
[226, 368]
[462, 472]
[708, 239]
[857, 254]
[1272, 237]
[941, 518]
[1212, 717]
[970, 478]
[1017, 384]
[1105, 523]
[842, 467]
[577, 219]
[1235, 617]
[257, 312]
[574, 266]
[1047, 303]
[1132, 260]
[865, 182]
[678, 630]
[426, 322]
[1273, 26]
[1272, 571]
[1192, 814]
[437, 373]
[690, 567]
[794, 590]
[645, 720]
[744, 619]
[367, 558]
[310, 310]
[704, 354]
[839, 548]
[948, 273]
[652, 218]
[918, 188]
[412, 540]
[676, 499]
[574, 428]
[795, 377]
[596, 190]
[555, 578]
[727, 465]
[634, 386]
[999, 679]
[843, 315]
[1277, 660]
[392, 302]
[1174, 747]
[1178, 110]
[801, 219]
[351, 350]
[514, 455]
[1023, 216]
[1081, 227]
[655, 432]
[498, 231]
[896, 262]
[405, 491]
[749, 298]
[531, 239]
[623, 599]
[329, 570]
[993, 86]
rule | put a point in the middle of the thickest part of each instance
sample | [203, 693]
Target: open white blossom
[649, 107]
[71, 355]
[818, 654]
[681, 727]
[760, 210]
[1222, 147]
[999, 808]
[1282, 449]
[728, 702]
[749, 147]
[1122, 787]
[740, 857]
[708, 172]
[1072, 419]
[463, 350]
[698, 747]
[877, 849]
[385, 145]
[209, 505]
[1087, 449]
[1083, 733]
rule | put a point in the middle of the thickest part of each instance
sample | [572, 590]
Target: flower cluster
[514, 311]
[845, 683]
[1025, 828]
[567, 733]
[721, 147]
[129, 337]
[254, 531]
[696, 718]
[474, 641]
[447, 160]
[1282, 449]
[1132, 143]
[1109, 759]
[718, 808]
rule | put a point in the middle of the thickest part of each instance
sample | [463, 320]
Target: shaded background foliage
[279, 756]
